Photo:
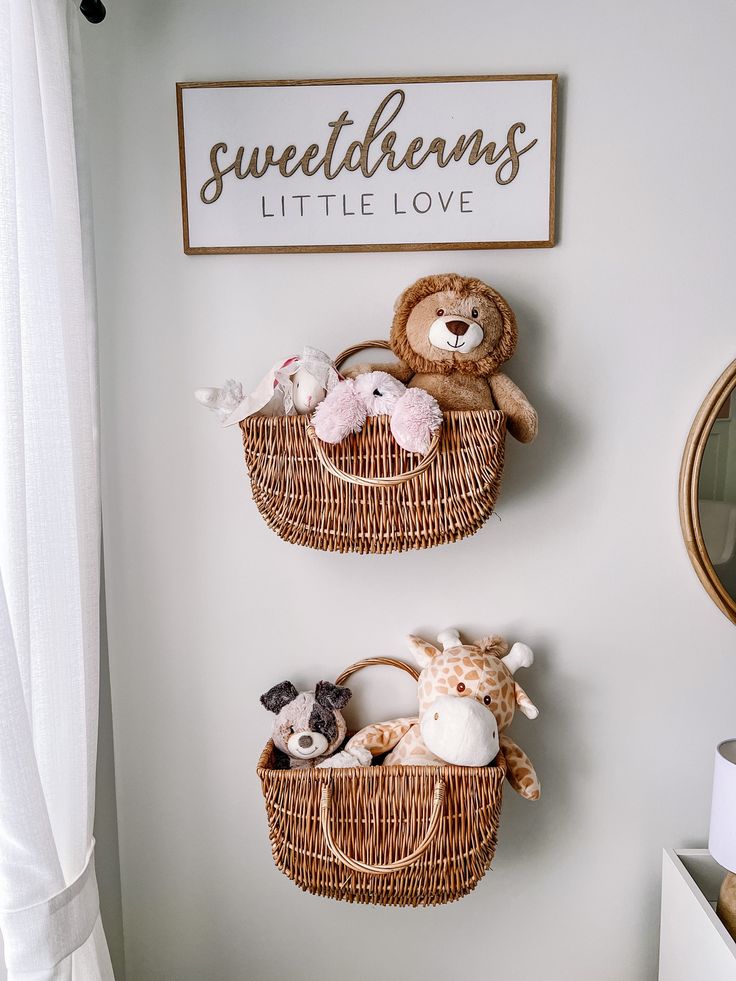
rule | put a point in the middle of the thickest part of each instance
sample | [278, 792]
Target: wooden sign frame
[190, 249]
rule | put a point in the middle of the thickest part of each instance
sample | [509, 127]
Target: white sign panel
[368, 164]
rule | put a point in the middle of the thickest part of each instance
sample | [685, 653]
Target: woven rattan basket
[366, 494]
[388, 835]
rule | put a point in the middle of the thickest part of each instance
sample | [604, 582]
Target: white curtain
[49, 510]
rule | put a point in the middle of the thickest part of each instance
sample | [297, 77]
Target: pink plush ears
[341, 413]
[415, 420]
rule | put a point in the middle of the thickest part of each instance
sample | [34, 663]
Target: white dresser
[693, 943]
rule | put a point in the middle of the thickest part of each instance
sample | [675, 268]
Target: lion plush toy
[452, 334]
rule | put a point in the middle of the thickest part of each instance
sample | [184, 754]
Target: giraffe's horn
[449, 638]
[520, 656]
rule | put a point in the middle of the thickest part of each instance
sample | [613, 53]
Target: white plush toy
[308, 389]
[460, 730]
[294, 386]
[222, 401]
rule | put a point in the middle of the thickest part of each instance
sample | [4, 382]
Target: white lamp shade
[722, 837]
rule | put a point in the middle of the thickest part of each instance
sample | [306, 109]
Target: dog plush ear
[421, 650]
[331, 696]
[279, 696]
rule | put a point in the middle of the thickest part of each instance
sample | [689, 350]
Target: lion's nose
[456, 327]
[305, 741]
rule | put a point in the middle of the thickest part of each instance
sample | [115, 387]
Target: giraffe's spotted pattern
[520, 771]
[480, 675]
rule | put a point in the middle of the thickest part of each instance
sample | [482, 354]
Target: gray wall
[107, 851]
[624, 326]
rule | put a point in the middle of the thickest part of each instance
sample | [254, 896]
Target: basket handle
[390, 662]
[353, 349]
[350, 478]
[401, 863]
[331, 467]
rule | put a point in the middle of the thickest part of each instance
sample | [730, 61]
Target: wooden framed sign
[354, 165]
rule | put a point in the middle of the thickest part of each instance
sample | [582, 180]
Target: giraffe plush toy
[467, 700]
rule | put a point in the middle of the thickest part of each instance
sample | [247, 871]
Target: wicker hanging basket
[366, 494]
[387, 835]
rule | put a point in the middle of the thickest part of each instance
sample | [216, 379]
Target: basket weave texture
[386, 835]
[366, 494]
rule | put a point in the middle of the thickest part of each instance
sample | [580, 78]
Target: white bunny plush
[294, 386]
[315, 375]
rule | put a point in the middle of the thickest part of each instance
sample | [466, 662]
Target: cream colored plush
[479, 680]
[460, 731]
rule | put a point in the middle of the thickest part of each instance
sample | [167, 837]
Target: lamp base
[726, 908]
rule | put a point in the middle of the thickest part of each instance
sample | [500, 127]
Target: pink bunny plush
[415, 414]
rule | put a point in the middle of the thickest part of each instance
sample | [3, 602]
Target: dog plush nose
[456, 327]
[306, 745]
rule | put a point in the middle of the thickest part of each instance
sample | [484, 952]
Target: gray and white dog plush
[309, 726]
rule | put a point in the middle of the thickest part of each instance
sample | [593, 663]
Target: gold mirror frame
[689, 482]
